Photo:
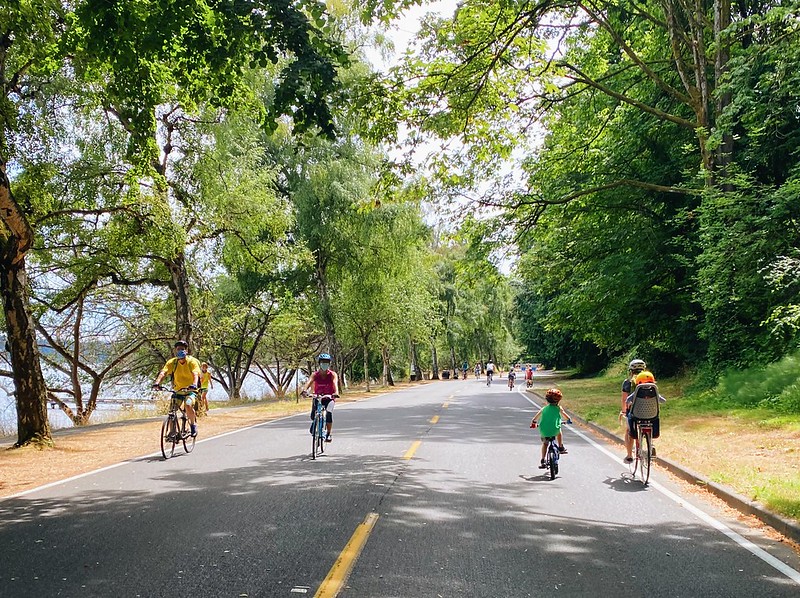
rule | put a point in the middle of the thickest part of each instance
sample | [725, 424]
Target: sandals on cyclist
[542, 465]
[628, 459]
[562, 450]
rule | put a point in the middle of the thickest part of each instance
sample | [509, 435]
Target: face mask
[324, 366]
[181, 354]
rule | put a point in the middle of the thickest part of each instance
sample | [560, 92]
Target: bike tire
[321, 435]
[188, 439]
[552, 457]
[168, 437]
[314, 436]
[645, 445]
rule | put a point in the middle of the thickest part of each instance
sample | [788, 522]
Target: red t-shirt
[323, 382]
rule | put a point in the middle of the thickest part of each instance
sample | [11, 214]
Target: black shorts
[325, 401]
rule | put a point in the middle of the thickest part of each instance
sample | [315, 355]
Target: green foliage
[774, 386]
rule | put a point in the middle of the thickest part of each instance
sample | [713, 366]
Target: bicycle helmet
[181, 344]
[645, 377]
[637, 365]
[324, 357]
[553, 396]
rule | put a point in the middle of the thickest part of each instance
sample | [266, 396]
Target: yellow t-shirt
[205, 378]
[182, 373]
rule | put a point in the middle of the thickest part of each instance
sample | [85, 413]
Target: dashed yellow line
[445, 405]
[434, 419]
[337, 576]
[410, 452]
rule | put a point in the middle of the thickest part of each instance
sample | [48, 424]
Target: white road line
[700, 514]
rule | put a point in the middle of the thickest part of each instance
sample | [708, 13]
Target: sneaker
[542, 465]
[328, 438]
[628, 459]
[194, 429]
[562, 450]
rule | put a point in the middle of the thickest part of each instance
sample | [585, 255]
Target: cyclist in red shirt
[326, 383]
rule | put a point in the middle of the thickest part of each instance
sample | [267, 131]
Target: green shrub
[775, 386]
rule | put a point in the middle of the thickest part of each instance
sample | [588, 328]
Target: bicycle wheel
[321, 435]
[169, 435]
[315, 436]
[644, 456]
[552, 458]
[188, 439]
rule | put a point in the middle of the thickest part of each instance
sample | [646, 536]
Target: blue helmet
[324, 357]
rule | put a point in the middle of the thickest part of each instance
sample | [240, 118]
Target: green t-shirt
[550, 421]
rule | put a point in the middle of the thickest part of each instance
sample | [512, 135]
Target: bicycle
[644, 409]
[511, 383]
[175, 428]
[318, 427]
[551, 454]
[642, 451]
[489, 375]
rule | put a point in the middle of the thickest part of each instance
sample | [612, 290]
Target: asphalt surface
[463, 510]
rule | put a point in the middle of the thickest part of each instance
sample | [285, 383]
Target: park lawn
[753, 451]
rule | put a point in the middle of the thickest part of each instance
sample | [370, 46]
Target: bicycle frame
[643, 443]
[174, 428]
[318, 427]
[551, 457]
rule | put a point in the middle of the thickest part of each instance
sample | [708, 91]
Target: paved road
[450, 470]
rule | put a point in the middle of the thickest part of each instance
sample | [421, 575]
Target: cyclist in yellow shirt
[185, 372]
[205, 385]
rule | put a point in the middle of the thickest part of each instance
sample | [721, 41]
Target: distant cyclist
[205, 385]
[477, 371]
[512, 375]
[326, 383]
[185, 372]
[489, 372]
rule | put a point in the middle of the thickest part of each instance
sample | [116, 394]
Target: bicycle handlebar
[190, 388]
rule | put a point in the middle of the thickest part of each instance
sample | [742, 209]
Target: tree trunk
[387, 368]
[415, 362]
[453, 359]
[30, 388]
[722, 19]
[183, 309]
[435, 358]
[366, 366]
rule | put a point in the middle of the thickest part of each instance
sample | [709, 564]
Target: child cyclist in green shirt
[549, 419]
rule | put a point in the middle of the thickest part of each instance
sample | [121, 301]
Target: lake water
[110, 411]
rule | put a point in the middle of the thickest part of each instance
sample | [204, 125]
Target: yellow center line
[410, 452]
[337, 576]
[446, 404]
[434, 419]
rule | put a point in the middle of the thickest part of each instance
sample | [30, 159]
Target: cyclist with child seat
[549, 420]
[644, 390]
[185, 372]
[635, 367]
[326, 385]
